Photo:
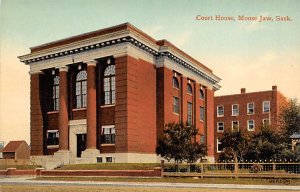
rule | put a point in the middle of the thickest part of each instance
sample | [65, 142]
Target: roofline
[116, 28]
[239, 94]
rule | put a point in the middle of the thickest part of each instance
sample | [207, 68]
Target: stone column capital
[63, 68]
[91, 63]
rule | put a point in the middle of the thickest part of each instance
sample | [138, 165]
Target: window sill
[202, 121]
[175, 113]
[235, 115]
[176, 88]
[52, 112]
[250, 113]
[105, 106]
[52, 146]
[251, 130]
[106, 145]
[220, 115]
[79, 109]
[220, 131]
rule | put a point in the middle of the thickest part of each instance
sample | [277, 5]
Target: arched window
[189, 89]
[201, 94]
[55, 93]
[175, 83]
[81, 89]
[109, 86]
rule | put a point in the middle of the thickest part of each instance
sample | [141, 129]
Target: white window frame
[113, 129]
[238, 127]
[218, 115]
[218, 142]
[238, 110]
[56, 131]
[218, 127]
[249, 113]
[248, 125]
[263, 106]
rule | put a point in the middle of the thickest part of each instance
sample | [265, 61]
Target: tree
[266, 144]
[290, 118]
[179, 143]
[234, 144]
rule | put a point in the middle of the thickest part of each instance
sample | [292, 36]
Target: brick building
[106, 96]
[247, 112]
[16, 150]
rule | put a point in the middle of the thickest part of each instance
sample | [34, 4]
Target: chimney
[274, 88]
[243, 90]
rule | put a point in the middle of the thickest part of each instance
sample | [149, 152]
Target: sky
[244, 54]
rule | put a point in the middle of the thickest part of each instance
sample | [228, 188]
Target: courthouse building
[247, 112]
[106, 95]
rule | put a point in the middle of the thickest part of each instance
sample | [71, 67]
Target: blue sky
[250, 54]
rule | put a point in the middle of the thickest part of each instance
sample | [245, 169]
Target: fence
[236, 170]
[6, 163]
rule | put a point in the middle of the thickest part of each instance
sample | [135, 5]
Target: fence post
[236, 167]
[274, 167]
[202, 170]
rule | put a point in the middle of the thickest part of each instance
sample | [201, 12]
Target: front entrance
[81, 143]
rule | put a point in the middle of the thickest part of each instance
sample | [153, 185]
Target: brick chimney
[243, 90]
[274, 88]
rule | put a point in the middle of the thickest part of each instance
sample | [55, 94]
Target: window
[108, 135]
[108, 159]
[250, 108]
[266, 106]
[175, 83]
[189, 113]
[202, 139]
[266, 121]
[219, 146]
[220, 111]
[81, 89]
[109, 85]
[55, 93]
[176, 105]
[220, 126]
[52, 137]
[189, 89]
[251, 125]
[235, 110]
[202, 114]
[201, 94]
[235, 126]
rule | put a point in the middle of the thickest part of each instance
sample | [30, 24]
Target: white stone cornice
[36, 72]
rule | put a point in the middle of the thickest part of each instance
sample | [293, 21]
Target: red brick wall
[36, 118]
[276, 101]
[210, 130]
[53, 121]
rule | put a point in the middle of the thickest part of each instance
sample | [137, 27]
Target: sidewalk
[27, 181]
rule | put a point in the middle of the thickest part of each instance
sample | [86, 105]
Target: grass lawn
[35, 188]
[4, 167]
[111, 166]
[245, 181]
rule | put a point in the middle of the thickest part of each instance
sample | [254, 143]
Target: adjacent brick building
[16, 150]
[247, 112]
[106, 96]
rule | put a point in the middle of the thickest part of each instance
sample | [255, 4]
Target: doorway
[81, 144]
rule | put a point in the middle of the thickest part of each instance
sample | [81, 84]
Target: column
[63, 109]
[91, 106]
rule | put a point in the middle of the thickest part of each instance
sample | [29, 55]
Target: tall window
[175, 83]
[266, 106]
[251, 125]
[220, 111]
[235, 126]
[189, 89]
[219, 146]
[220, 126]
[250, 108]
[202, 114]
[52, 137]
[109, 85]
[189, 113]
[55, 93]
[175, 105]
[108, 135]
[81, 89]
[235, 110]
[201, 94]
